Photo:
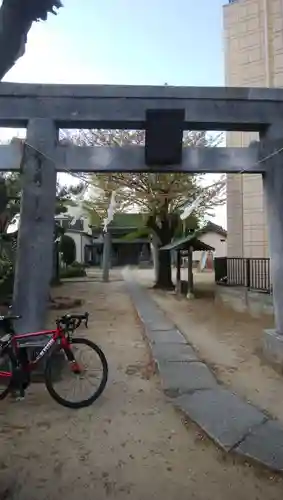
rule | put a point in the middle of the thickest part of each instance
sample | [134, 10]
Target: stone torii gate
[164, 112]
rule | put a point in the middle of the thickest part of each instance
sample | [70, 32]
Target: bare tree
[159, 197]
[16, 18]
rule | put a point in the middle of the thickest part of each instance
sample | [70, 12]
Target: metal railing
[251, 273]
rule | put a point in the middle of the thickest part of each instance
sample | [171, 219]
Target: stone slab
[149, 313]
[226, 418]
[165, 336]
[272, 347]
[167, 352]
[153, 319]
[152, 316]
[131, 159]
[179, 378]
[222, 415]
[146, 308]
[139, 91]
[205, 108]
[161, 325]
[265, 445]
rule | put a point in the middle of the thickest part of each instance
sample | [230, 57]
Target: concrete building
[87, 235]
[79, 231]
[214, 236]
[253, 32]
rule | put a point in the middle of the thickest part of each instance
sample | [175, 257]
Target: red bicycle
[18, 358]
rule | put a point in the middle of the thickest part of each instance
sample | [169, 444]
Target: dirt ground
[130, 444]
[228, 341]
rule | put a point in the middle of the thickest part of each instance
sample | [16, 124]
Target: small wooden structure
[186, 246]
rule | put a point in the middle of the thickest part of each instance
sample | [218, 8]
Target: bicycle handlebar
[73, 321]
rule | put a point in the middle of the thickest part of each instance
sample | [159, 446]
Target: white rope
[84, 179]
[110, 211]
[14, 224]
[190, 207]
[187, 211]
[78, 212]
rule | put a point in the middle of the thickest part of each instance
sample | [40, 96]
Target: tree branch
[16, 18]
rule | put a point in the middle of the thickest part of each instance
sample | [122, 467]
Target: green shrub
[79, 265]
[67, 247]
[72, 272]
[6, 283]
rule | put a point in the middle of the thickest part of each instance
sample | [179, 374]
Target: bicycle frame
[15, 343]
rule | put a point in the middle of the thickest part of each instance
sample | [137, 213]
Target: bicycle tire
[5, 392]
[48, 376]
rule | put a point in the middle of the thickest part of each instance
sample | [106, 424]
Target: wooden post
[190, 293]
[36, 232]
[178, 273]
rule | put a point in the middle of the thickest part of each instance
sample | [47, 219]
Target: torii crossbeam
[164, 112]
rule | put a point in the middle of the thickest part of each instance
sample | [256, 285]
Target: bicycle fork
[75, 367]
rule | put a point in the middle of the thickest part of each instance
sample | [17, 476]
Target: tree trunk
[164, 264]
[163, 225]
[164, 274]
[16, 18]
[11, 47]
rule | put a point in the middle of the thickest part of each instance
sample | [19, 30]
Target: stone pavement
[234, 424]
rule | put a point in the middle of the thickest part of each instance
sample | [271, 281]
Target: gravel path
[130, 444]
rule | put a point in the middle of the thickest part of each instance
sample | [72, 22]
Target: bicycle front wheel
[84, 363]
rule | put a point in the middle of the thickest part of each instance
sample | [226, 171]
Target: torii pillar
[36, 233]
[273, 193]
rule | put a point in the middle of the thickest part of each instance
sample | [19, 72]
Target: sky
[178, 42]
